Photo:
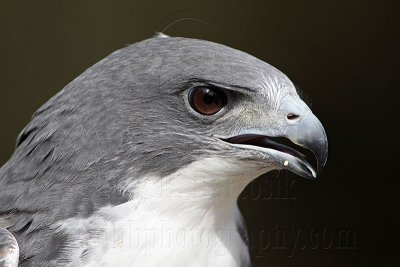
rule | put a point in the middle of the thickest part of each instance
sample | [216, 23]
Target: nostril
[292, 116]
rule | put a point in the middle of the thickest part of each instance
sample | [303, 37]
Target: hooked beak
[310, 134]
[291, 148]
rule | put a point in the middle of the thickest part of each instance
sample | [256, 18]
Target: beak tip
[323, 157]
[311, 176]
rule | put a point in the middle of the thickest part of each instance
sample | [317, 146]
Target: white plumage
[189, 218]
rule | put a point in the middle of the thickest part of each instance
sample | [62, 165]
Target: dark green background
[344, 55]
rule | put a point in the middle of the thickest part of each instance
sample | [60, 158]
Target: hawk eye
[207, 100]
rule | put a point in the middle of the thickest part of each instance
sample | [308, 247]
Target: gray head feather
[123, 118]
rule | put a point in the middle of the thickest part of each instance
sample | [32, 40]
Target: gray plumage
[126, 116]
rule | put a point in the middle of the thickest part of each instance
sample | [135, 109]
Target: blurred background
[343, 55]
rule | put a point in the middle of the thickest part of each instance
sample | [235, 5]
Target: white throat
[189, 218]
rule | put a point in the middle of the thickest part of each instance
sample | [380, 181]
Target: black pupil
[209, 96]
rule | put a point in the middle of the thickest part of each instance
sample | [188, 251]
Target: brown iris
[207, 100]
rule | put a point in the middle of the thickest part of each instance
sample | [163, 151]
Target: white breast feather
[189, 218]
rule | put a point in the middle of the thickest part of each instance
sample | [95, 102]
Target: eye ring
[207, 100]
